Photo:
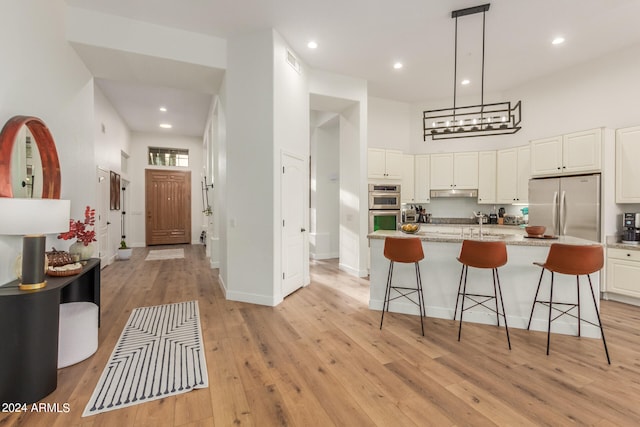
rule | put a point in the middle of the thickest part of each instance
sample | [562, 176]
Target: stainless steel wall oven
[384, 207]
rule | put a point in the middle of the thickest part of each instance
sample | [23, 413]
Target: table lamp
[33, 218]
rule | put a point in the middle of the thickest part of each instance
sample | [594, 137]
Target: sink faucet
[479, 216]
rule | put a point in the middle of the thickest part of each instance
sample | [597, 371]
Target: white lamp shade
[33, 216]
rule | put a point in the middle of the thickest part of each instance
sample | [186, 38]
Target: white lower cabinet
[623, 272]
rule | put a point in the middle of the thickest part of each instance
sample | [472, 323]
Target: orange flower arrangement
[78, 229]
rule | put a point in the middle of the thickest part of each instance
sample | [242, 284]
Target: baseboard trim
[328, 255]
[352, 271]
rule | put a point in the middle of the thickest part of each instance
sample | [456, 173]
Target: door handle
[563, 214]
[108, 223]
[554, 213]
[302, 230]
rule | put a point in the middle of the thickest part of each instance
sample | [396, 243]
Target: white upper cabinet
[384, 164]
[582, 151]
[441, 173]
[546, 156]
[487, 177]
[513, 173]
[407, 189]
[627, 167]
[465, 170]
[523, 174]
[454, 171]
[422, 186]
[577, 152]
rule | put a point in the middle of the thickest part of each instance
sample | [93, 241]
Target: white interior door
[102, 217]
[294, 185]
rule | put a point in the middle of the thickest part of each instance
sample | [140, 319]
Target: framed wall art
[114, 199]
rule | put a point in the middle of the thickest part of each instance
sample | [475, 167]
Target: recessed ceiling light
[558, 40]
[397, 65]
[465, 82]
[163, 109]
[165, 126]
[312, 45]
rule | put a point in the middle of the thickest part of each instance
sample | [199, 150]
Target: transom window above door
[168, 156]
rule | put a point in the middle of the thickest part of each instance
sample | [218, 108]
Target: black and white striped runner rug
[160, 353]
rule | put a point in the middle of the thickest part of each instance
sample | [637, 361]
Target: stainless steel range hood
[454, 193]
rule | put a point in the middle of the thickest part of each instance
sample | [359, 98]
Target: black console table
[29, 332]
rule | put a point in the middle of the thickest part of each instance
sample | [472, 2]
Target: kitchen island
[440, 271]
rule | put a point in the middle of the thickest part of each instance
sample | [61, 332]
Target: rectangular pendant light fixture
[498, 118]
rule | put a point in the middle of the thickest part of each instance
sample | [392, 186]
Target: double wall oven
[384, 207]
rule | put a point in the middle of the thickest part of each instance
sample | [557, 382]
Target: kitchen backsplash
[461, 208]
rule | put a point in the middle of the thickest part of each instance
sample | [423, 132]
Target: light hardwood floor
[319, 359]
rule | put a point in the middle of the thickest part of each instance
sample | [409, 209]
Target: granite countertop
[626, 246]
[489, 233]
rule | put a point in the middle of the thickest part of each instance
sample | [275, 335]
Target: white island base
[440, 272]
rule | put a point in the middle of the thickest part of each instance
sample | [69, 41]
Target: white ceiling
[363, 38]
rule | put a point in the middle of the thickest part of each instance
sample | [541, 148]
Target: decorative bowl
[535, 230]
[410, 227]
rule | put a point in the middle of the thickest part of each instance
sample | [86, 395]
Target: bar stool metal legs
[572, 260]
[404, 250]
[481, 299]
[404, 292]
[482, 255]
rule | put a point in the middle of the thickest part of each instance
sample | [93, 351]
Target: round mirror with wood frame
[46, 147]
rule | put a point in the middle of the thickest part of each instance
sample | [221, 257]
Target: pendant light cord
[482, 82]
[455, 71]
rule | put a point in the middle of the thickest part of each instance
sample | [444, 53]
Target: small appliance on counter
[513, 219]
[409, 215]
[500, 219]
[631, 228]
[424, 218]
[416, 213]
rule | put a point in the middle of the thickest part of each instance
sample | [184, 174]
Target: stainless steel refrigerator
[567, 206]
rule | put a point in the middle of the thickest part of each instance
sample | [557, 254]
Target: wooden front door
[168, 206]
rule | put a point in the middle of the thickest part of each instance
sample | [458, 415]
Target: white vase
[124, 253]
[81, 251]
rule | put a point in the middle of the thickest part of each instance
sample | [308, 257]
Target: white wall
[112, 138]
[140, 143]
[324, 229]
[211, 148]
[353, 178]
[114, 32]
[290, 137]
[599, 93]
[249, 169]
[389, 124]
[220, 189]
[42, 76]
[353, 193]
[265, 104]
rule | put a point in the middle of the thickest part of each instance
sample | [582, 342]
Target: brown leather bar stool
[575, 260]
[404, 250]
[482, 254]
